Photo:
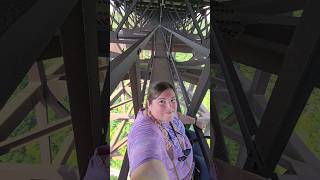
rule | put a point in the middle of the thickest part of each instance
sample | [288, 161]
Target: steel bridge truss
[95, 49]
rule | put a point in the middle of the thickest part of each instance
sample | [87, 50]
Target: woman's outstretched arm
[152, 169]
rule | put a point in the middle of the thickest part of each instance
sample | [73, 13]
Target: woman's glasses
[186, 153]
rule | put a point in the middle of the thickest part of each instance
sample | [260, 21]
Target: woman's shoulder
[143, 127]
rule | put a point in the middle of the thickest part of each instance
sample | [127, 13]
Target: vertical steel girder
[79, 45]
[134, 75]
[37, 75]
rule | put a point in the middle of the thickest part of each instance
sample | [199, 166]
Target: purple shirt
[97, 166]
[146, 142]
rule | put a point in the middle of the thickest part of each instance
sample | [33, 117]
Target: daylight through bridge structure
[74, 74]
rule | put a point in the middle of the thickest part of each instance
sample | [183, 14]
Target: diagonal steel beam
[194, 19]
[120, 104]
[195, 27]
[118, 133]
[30, 42]
[292, 90]
[16, 142]
[116, 94]
[148, 17]
[202, 87]
[125, 18]
[172, 64]
[193, 106]
[126, 60]
[241, 106]
[116, 147]
[142, 16]
[148, 20]
[13, 113]
[64, 151]
[56, 105]
[177, 14]
[236, 92]
[135, 76]
[197, 47]
[170, 18]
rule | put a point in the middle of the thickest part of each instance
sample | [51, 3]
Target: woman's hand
[202, 122]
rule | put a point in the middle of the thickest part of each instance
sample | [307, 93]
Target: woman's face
[164, 106]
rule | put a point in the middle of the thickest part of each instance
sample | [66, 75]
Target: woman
[158, 147]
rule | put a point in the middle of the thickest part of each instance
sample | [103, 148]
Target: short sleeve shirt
[146, 142]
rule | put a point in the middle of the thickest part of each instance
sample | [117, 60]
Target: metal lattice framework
[96, 76]
[270, 37]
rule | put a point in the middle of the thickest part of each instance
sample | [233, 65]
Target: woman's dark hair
[157, 88]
